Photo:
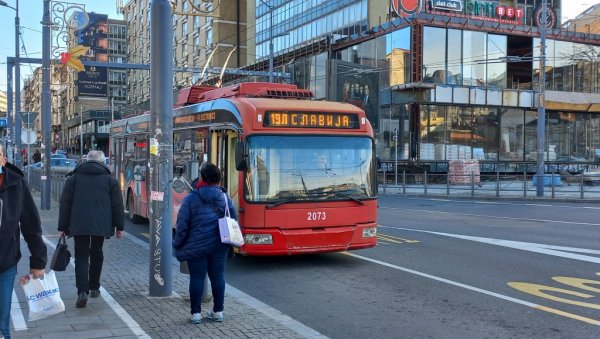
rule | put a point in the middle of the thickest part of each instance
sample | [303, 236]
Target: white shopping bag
[230, 229]
[43, 296]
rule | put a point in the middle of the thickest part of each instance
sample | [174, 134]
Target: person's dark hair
[210, 173]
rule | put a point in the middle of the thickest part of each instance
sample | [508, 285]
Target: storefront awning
[569, 101]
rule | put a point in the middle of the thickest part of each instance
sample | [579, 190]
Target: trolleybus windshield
[312, 168]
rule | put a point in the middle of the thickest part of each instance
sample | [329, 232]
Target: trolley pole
[161, 148]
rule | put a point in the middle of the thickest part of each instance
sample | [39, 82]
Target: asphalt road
[446, 269]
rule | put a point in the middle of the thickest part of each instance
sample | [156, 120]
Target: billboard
[358, 85]
[93, 82]
[95, 36]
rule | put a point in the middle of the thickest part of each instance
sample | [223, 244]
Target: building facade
[97, 89]
[221, 28]
[454, 80]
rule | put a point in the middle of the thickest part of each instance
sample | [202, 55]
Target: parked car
[62, 165]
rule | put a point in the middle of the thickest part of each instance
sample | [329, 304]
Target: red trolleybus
[302, 173]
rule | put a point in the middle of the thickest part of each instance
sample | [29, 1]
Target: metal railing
[57, 182]
[556, 186]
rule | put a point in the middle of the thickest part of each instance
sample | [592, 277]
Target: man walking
[91, 207]
[16, 206]
[37, 156]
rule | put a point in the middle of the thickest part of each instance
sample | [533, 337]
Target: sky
[30, 14]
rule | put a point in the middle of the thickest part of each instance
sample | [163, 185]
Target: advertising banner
[93, 82]
[358, 85]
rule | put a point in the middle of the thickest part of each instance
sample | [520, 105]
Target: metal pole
[161, 148]
[46, 123]
[271, 45]
[18, 121]
[541, 121]
[270, 39]
[80, 134]
[9, 113]
[110, 140]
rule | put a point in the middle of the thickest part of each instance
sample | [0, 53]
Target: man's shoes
[94, 293]
[81, 300]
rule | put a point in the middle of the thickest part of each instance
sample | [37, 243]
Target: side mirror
[241, 156]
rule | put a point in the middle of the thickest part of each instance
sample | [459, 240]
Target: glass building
[452, 80]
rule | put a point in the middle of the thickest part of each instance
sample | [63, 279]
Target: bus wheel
[134, 218]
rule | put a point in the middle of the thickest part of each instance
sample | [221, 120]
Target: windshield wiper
[343, 195]
[281, 202]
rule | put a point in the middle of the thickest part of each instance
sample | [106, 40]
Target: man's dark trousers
[88, 262]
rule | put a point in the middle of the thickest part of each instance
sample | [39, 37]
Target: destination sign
[311, 120]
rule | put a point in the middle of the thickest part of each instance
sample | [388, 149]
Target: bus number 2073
[312, 216]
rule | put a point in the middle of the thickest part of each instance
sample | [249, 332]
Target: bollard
[447, 183]
[497, 184]
[396, 174]
[384, 180]
[525, 184]
[472, 184]
[553, 189]
[581, 187]
[403, 182]
[425, 183]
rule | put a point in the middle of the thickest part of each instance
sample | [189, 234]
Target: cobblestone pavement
[125, 309]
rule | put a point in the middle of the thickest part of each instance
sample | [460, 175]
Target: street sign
[2, 122]
[28, 137]
[28, 117]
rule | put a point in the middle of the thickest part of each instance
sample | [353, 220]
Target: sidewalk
[125, 310]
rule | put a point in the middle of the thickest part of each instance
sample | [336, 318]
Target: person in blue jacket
[197, 240]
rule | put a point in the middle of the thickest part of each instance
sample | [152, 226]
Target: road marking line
[16, 314]
[476, 289]
[145, 235]
[114, 305]
[384, 238]
[568, 315]
[397, 239]
[557, 251]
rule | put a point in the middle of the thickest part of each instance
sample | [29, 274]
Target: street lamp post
[80, 134]
[270, 40]
[17, 125]
[541, 119]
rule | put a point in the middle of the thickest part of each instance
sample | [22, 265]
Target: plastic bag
[43, 296]
[230, 229]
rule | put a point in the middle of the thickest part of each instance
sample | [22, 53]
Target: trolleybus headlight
[258, 239]
[369, 232]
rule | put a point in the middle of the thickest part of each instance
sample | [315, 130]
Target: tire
[134, 218]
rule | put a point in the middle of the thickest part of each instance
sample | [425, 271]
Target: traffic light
[71, 58]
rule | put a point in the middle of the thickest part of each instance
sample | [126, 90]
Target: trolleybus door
[222, 154]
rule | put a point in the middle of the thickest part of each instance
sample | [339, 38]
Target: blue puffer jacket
[197, 222]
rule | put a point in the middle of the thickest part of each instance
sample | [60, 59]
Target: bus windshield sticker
[311, 120]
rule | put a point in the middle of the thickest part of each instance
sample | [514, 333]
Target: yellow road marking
[146, 235]
[540, 291]
[397, 239]
[381, 237]
[568, 315]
